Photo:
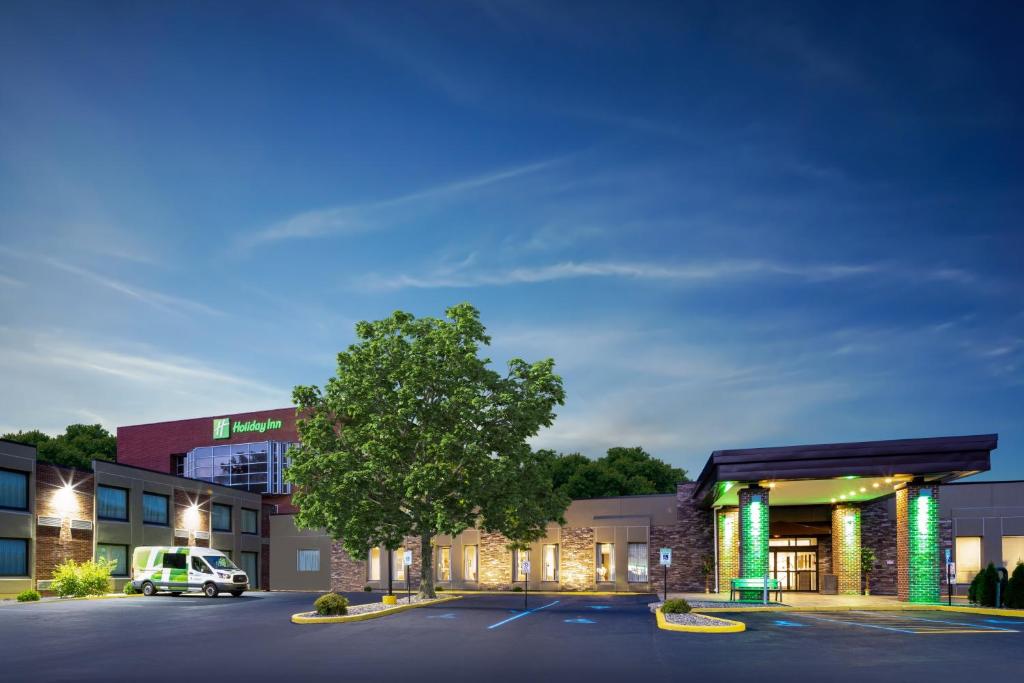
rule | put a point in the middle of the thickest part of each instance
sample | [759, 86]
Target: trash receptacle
[830, 584]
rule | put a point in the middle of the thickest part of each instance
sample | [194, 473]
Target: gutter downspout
[714, 526]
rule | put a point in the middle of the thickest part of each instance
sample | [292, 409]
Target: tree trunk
[426, 568]
[391, 570]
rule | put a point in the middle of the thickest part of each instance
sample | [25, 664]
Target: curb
[965, 609]
[50, 599]
[728, 625]
[533, 592]
[305, 618]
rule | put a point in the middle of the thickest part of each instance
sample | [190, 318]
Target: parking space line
[523, 614]
[972, 626]
[855, 623]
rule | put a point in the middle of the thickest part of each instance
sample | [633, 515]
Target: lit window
[154, 509]
[13, 490]
[1013, 551]
[117, 554]
[550, 562]
[968, 558]
[221, 517]
[375, 564]
[605, 562]
[469, 563]
[112, 503]
[398, 563]
[636, 568]
[444, 563]
[309, 560]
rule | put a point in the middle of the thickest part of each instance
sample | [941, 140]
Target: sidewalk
[812, 600]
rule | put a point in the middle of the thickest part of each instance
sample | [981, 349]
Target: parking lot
[487, 638]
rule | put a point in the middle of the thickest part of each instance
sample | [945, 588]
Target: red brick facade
[65, 495]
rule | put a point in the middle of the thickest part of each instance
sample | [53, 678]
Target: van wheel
[148, 589]
[236, 594]
[210, 590]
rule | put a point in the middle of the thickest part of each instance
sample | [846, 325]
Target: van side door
[198, 572]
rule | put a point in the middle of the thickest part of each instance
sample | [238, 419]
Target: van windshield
[219, 562]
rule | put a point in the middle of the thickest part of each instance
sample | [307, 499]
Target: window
[154, 509]
[199, 566]
[1013, 551]
[221, 517]
[118, 554]
[374, 564]
[250, 521]
[398, 563]
[469, 563]
[227, 553]
[112, 503]
[550, 568]
[174, 560]
[636, 563]
[518, 557]
[13, 490]
[250, 565]
[256, 467]
[13, 557]
[309, 560]
[968, 558]
[444, 563]
[605, 562]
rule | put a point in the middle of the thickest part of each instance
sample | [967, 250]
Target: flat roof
[939, 459]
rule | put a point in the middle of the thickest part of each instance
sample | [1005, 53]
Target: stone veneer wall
[728, 546]
[495, 562]
[348, 574]
[578, 559]
[846, 544]
[878, 532]
[53, 544]
[691, 541]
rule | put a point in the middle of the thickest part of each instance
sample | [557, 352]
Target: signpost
[524, 569]
[950, 578]
[665, 561]
[407, 561]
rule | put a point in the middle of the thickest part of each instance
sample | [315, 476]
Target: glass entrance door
[794, 562]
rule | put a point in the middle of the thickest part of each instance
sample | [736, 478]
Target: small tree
[867, 565]
[983, 588]
[1015, 588]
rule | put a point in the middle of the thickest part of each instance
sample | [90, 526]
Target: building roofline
[207, 417]
[20, 443]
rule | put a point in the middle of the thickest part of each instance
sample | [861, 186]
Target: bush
[129, 589]
[1015, 588]
[79, 580]
[517, 589]
[28, 596]
[676, 606]
[331, 604]
[438, 588]
[368, 589]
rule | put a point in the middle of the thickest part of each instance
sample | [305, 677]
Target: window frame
[231, 515]
[597, 563]
[961, 565]
[24, 541]
[476, 562]
[543, 560]
[127, 559]
[27, 475]
[1008, 562]
[647, 562]
[440, 551]
[167, 508]
[127, 503]
[373, 564]
[398, 564]
[298, 560]
[256, 518]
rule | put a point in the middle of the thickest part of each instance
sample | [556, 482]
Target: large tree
[417, 435]
[78, 446]
[621, 472]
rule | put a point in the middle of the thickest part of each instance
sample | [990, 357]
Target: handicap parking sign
[524, 567]
[666, 557]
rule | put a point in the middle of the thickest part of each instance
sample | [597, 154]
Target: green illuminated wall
[923, 545]
[753, 532]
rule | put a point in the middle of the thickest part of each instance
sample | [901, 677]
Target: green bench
[752, 589]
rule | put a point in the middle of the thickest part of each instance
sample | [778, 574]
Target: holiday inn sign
[223, 429]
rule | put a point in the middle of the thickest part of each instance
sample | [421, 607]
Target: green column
[923, 541]
[754, 532]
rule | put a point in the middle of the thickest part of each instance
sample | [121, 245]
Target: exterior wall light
[192, 517]
[65, 502]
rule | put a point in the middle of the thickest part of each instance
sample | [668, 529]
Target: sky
[731, 225]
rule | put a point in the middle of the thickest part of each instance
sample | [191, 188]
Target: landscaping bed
[369, 610]
[689, 618]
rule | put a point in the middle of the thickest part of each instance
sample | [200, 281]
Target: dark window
[112, 503]
[13, 557]
[178, 464]
[199, 566]
[221, 517]
[118, 554]
[174, 560]
[249, 521]
[250, 564]
[154, 508]
[13, 490]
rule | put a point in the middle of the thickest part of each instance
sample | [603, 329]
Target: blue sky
[729, 226]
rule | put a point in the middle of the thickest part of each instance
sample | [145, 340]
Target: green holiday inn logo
[223, 429]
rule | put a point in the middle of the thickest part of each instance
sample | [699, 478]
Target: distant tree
[621, 472]
[78, 446]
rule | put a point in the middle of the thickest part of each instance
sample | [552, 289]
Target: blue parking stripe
[523, 614]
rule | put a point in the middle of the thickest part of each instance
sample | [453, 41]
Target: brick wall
[846, 544]
[878, 532]
[183, 502]
[578, 561]
[54, 545]
[728, 546]
[347, 574]
[691, 541]
[918, 540]
[754, 532]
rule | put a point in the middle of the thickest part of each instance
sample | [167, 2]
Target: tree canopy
[620, 472]
[78, 446]
[416, 435]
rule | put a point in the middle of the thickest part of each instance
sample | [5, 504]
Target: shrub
[368, 589]
[676, 606]
[517, 589]
[1015, 588]
[28, 596]
[331, 604]
[129, 589]
[438, 588]
[987, 588]
[79, 580]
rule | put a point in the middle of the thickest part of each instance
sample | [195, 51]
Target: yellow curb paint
[565, 593]
[390, 600]
[728, 626]
[306, 618]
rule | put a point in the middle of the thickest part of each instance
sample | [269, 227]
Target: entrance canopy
[841, 472]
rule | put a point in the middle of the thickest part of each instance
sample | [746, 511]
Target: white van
[182, 568]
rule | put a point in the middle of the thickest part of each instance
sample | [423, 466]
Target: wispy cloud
[8, 281]
[363, 217]
[150, 297]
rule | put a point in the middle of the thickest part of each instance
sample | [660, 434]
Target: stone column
[917, 543]
[846, 548]
[753, 532]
